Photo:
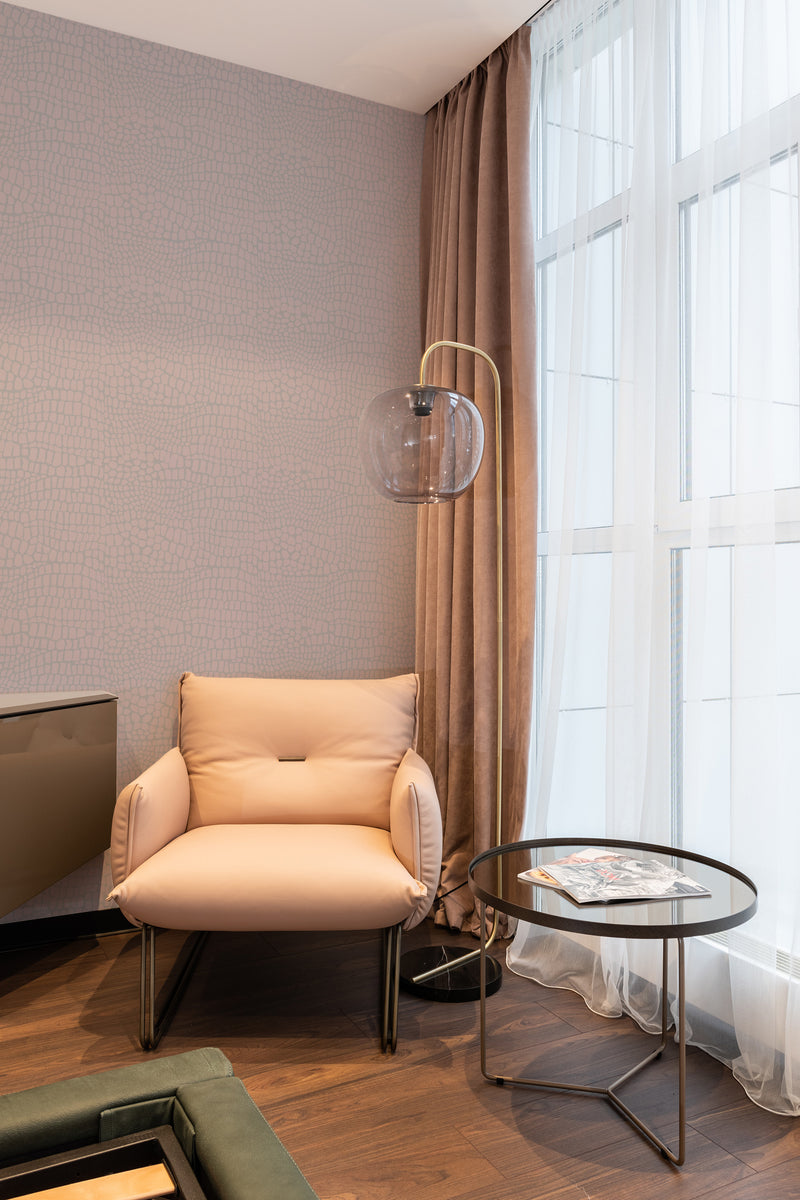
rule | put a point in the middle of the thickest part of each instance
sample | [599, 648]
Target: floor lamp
[423, 445]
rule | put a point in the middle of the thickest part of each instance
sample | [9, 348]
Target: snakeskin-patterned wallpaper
[205, 273]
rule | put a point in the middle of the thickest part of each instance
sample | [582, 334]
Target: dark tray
[144, 1149]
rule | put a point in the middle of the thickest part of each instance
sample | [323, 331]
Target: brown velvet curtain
[477, 284]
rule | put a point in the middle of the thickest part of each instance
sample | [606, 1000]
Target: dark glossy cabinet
[58, 756]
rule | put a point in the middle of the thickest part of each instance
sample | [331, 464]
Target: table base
[609, 1092]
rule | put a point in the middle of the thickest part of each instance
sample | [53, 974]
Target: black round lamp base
[454, 985]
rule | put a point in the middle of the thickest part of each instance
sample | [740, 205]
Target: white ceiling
[406, 53]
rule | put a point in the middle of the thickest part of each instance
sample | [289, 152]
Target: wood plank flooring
[297, 1017]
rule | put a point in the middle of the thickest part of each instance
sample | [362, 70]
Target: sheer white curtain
[668, 626]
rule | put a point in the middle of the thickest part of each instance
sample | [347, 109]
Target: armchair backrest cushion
[285, 751]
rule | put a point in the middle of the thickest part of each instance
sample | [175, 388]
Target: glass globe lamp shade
[421, 444]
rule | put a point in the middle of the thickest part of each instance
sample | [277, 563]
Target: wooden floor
[296, 1015]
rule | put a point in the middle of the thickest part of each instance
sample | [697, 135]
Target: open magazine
[597, 876]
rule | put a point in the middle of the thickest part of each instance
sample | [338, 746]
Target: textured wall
[205, 273]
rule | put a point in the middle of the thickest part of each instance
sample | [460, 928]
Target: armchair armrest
[149, 813]
[416, 828]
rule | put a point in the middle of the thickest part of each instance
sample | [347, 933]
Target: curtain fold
[477, 281]
[668, 666]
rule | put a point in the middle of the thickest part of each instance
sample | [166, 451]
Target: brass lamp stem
[440, 970]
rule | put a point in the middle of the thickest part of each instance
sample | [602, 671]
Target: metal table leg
[609, 1092]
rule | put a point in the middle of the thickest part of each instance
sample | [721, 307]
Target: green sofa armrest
[238, 1155]
[44, 1119]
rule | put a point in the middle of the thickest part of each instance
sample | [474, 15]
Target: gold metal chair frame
[153, 1023]
[390, 986]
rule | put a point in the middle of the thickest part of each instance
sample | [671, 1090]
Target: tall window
[668, 628]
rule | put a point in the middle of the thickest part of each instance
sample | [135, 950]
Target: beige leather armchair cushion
[291, 750]
[251, 877]
[149, 812]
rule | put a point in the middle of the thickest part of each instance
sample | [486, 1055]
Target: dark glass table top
[733, 899]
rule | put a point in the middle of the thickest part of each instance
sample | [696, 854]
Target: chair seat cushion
[281, 877]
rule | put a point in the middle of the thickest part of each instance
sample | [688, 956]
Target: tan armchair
[286, 805]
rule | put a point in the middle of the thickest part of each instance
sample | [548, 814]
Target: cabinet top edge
[14, 704]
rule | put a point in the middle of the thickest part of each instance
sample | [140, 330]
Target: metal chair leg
[390, 986]
[151, 1026]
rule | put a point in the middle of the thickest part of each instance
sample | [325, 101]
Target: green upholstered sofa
[231, 1148]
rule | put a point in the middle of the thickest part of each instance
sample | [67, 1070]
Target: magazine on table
[597, 876]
